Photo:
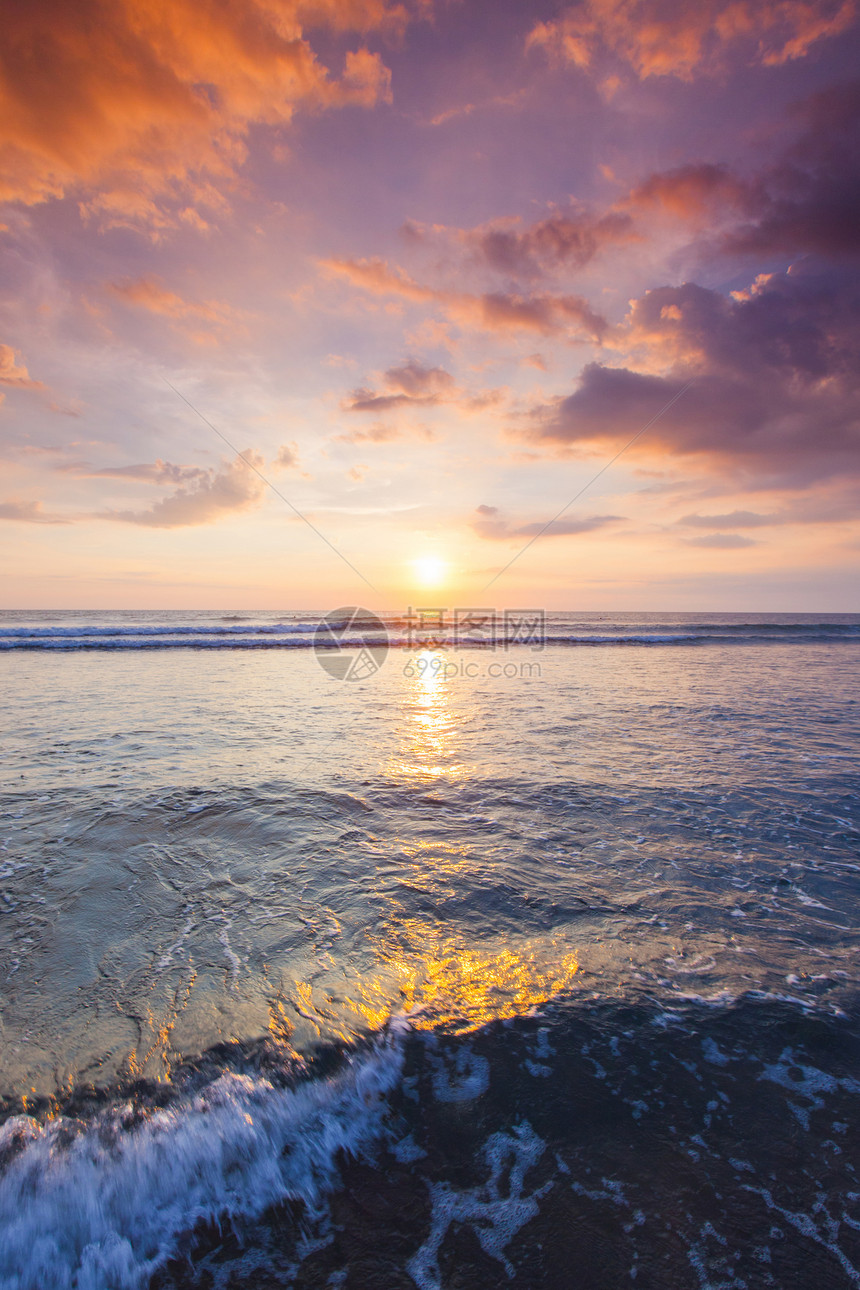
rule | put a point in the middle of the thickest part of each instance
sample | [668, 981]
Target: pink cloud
[409, 384]
[208, 497]
[562, 240]
[28, 513]
[676, 38]
[493, 524]
[494, 311]
[287, 457]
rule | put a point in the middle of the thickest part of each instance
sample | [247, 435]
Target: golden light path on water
[431, 969]
[459, 989]
[433, 977]
[430, 724]
[313, 857]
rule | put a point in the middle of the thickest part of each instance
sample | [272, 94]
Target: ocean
[492, 956]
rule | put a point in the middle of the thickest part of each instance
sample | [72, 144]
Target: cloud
[375, 276]
[733, 520]
[834, 503]
[466, 109]
[210, 496]
[570, 239]
[28, 513]
[721, 541]
[408, 385]
[773, 373]
[418, 381]
[806, 201]
[149, 294]
[693, 190]
[548, 315]
[809, 200]
[157, 472]
[676, 38]
[139, 106]
[287, 457]
[494, 525]
[13, 372]
[381, 432]
[494, 311]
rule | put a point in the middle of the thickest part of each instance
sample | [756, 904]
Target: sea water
[530, 965]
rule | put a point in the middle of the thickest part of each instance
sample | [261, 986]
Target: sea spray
[101, 1206]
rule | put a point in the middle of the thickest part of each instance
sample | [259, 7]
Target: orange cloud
[14, 373]
[676, 38]
[495, 311]
[466, 109]
[149, 294]
[693, 191]
[138, 105]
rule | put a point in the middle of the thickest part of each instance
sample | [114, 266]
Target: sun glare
[429, 570]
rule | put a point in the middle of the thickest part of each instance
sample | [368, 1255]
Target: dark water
[454, 977]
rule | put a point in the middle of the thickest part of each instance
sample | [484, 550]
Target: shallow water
[611, 893]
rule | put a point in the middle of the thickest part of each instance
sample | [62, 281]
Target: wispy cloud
[492, 523]
[156, 472]
[492, 311]
[721, 541]
[731, 520]
[29, 513]
[461, 110]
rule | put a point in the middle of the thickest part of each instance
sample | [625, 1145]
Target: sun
[430, 570]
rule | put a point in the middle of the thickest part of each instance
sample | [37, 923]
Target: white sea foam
[458, 1077]
[398, 633]
[106, 1210]
[807, 1082]
[143, 629]
[819, 1226]
[495, 1218]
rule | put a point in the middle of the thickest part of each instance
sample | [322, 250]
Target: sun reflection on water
[424, 969]
[444, 984]
[428, 744]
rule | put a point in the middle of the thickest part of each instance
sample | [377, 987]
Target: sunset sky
[429, 266]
